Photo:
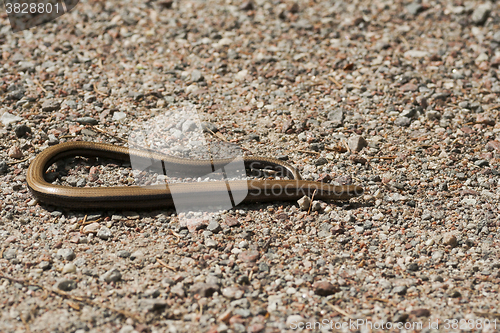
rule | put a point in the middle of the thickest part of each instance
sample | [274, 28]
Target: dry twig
[339, 310]
[39, 85]
[109, 134]
[16, 162]
[310, 205]
[337, 83]
[164, 264]
[99, 92]
[307, 151]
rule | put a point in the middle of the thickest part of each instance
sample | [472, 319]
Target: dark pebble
[409, 113]
[400, 318]
[50, 105]
[66, 285]
[16, 94]
[45, 265]
[325, 288]
[413, 267]
[263, 267]
[420, 313]
[481, 163]
[113, 275]
[282, 157]
[22, 130]
[400, 290]
[4, 167]
[123, 254]
[253, 137]
[321, 161]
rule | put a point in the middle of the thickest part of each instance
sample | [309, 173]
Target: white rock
[127, 329]
[240, 76]
[225, 42]
[191, 88]
[482, 57]
[273, 302]
[486, 193]
[469, 201]
[8, 118]
[304, 203]
[69, 268]
[416, 54]
[118, 116]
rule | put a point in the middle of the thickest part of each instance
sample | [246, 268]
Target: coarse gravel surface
[400, 97]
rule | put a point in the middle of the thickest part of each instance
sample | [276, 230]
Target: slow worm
[156, 196]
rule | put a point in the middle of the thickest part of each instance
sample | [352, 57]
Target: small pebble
[356, 143]
[113, 275]
[69, 268]
[15, 152]
[50, 105]
[304, 203]
[104, 233]
[87, 121]
[325, 288]
[22, 130]
[66, 285]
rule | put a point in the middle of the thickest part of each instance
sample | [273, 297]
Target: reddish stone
[249, 256]
[325, 288]
[467, 130]
[486, 156]
[358, 159]
[15, 152]
[74, 129]
[75, 239]
[236, 319]
[421, 313]
[282, 216]
[93, 174]
[409, 87]
[484, 66]
[493, 145]
[450, 239]
[193, 224]
[10, 239]
[224, 317]
[468, 192]
[337, 230]
[485, 119]
[232, 222]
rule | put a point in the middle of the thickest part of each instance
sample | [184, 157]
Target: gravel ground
[401, 98]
